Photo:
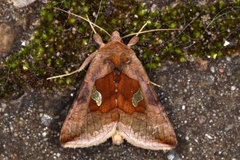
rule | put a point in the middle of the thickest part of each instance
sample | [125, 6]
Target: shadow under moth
[116, 100]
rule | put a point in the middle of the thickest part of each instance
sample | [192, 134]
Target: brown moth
[116, 100]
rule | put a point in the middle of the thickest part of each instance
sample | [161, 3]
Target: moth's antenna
[87, 20]
[142, 28]
[135, 38]
[152, 30]
[100, 5]
[91, 24]
[96, 17]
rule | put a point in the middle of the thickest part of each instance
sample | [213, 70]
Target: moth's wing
[81, 127]
[151, 129]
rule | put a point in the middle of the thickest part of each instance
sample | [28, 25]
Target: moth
[116, 100]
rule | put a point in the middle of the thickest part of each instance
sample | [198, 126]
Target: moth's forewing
[150, 129]
[82, 126]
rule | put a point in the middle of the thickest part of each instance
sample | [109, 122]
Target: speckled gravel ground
[202, 99]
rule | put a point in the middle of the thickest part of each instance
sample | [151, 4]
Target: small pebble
[22, 3]
[212, 69]
[226, 43]
[183, 107]
[229, 127]
[7, 34]
[208, 136]
[44, 134]
[46, 119]
[233, 88]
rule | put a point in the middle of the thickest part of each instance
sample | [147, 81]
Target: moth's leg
[84, 64]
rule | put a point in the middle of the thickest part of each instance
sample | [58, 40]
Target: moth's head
[115, 37]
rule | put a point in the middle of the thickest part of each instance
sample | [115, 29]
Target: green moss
[63, 41]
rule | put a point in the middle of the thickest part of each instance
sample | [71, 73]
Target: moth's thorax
[117, 54]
